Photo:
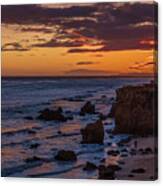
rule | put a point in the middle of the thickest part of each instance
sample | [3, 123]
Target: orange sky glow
[97, 42]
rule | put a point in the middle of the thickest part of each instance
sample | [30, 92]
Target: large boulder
[66, 155]
[93, 133]
[88, 108]
[50, 115]
[135, 110]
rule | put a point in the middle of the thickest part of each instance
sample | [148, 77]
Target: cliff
[135, 110]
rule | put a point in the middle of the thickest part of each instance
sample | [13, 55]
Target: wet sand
[147, 161]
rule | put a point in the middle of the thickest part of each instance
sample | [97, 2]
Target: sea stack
[93, 133]
[134, 110]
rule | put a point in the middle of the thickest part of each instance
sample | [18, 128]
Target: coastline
[103, 155]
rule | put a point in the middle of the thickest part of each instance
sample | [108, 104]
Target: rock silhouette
[50, 115]
[88, 108]
[106, 173]
[93, 133]
[66, 155]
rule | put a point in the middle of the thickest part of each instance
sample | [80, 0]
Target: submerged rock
[103, 117]
[113, 152]
[28, 118]
[138, 171]
[33, 159]
[66, 155]
[89, 166]
[135, 110]
[88, 108]
[93, 133]
[34, 145]
[50, 115]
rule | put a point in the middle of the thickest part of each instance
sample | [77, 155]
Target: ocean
[25, 97]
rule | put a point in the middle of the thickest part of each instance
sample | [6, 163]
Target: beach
[46, 126]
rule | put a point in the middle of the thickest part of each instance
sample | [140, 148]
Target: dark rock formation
[66, 155]
[135, 110]
[93, 133]
[113, 152]
[50, 115]
[115, 167]
[138, 171]
[130, 175]
[34, 145]
[89, 166]
[88, 108]
[28, 118]
[106, 173]
[33, 159]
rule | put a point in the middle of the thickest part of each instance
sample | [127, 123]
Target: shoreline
[144, 162]
[76, 114]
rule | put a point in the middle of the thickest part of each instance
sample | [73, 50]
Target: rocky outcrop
[88, 108]
[108, 172]
[135, 110]
[50, 115]
[89, 166]
[105, 173]
[66, 155]
[93, 133]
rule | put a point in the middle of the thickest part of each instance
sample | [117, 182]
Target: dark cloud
[14, 47]
[115, 26]
[34, 14]
[42, 29]
[141, 65]
[86, 63]
[57, 43]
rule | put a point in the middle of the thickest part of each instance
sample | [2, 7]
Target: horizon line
[88, 76]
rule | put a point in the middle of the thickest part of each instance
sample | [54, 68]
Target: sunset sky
[78, 39]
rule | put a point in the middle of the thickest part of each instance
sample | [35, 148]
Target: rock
[111, 136]
[33, 159]
[124, 141]
[135, 108]
[140, 150]
[19, 111]
[31, 131]
[124, 155]
[148, 150]
[103, 160]
[105, 173]
[139, 171]
[59, 132]
[28, 118]
[113, 152]
[103, 96]
[88, 108]
[93, 133]
[124, 150]
[108, 131]
[66, 155]
[130, 175]
[115, 167]
[50, 115]
[151, 178]
[89, 166]
[103, 117]
[34, 145]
